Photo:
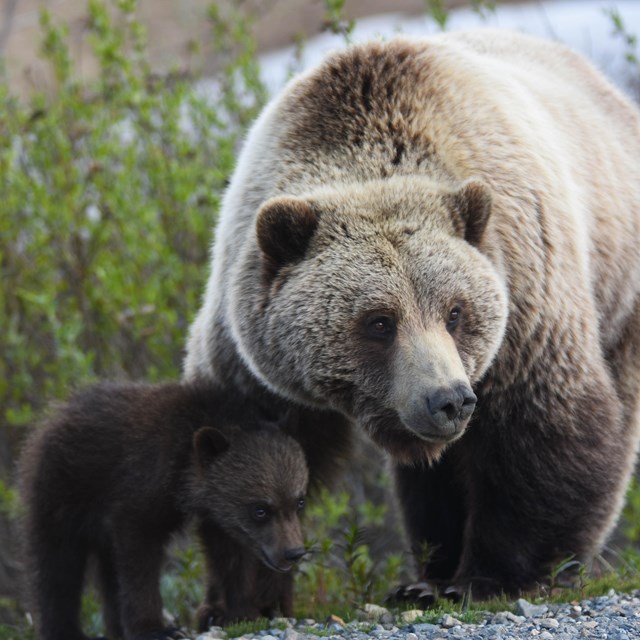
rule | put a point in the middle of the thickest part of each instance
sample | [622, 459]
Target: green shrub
[342, 571]
[110, 191]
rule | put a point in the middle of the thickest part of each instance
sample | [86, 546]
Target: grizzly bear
[120, 467]
[437, 239]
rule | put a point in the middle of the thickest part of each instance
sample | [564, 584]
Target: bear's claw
[424, 594]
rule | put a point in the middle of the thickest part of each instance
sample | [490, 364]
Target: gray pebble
[528, 610]
[503, 617]
[548, 623]
[425, 627]
[449, 621]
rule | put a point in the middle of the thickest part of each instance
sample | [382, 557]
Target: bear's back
[557, 145]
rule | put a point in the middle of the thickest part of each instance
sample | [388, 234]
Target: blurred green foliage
[110, 191]
[343, 571]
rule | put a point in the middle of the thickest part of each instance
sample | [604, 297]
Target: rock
[502, 617]
[290, 634]
[410, 616]
[335, 624]
[548, 623]
[448, 621]
[214, 633]
[307, 622]
[425, 627]
[377, 613]
[528, 610]
[280, 622]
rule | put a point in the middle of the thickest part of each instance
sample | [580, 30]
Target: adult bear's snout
[449, 406]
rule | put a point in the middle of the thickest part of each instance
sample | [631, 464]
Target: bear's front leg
[274, 592]
[138, 556]
[543, 484]
[434, 515]
[231, 575]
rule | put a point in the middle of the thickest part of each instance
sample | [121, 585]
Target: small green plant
[342, 570]
[629, 39]
[483, 7]
[8, 500]
[436, 9]
[182, 585]
[630, 43]
[91, 613]
[248, 626]
[336, 21]
[16, 632]
[631, 513]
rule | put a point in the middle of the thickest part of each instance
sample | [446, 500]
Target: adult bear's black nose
[451, 405]
[293, 555]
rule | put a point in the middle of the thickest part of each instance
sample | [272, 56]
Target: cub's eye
[300, 505]
[381, 327]
[260, 513]
[455, 315]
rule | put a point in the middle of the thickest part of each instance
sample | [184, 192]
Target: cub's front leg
[138, 555]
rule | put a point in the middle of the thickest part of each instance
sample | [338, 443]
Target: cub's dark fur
[118, 469]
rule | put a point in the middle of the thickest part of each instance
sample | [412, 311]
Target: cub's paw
[167, 633]
[208, 616]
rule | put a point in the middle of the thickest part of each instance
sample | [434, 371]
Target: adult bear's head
[373, 299]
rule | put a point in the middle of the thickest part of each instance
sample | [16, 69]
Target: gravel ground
[615, 616]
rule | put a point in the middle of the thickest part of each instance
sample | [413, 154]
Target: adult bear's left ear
[471, 205]
[284, 227]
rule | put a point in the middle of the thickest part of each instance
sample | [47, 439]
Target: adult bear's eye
[381, 327]
[455, 315]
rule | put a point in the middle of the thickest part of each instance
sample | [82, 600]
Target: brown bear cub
[120, 467]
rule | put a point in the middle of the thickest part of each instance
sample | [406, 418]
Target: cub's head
[375, 299]
[252, 483]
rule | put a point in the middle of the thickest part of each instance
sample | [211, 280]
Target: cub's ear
[284, 228]
[472, 204]
[209, 443]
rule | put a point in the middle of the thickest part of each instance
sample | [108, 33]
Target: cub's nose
[448, 405]
[295, 554]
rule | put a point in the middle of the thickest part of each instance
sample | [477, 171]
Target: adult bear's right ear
[284, 227]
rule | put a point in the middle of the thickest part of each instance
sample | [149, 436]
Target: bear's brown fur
[438, 239]
[120, 467]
